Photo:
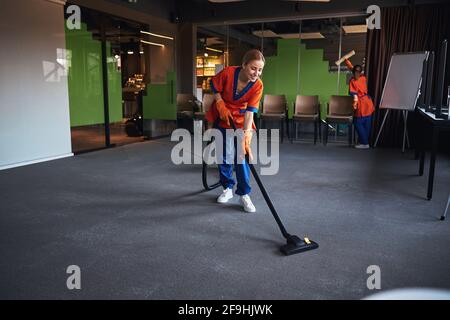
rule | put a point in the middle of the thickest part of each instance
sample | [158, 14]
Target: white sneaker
[362, 146]
[247, 203]
[226, 195]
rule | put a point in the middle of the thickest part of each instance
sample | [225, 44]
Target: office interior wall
[34, 103]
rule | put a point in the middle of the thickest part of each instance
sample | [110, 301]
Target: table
[437, 125]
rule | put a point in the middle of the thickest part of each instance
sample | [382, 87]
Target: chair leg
[290, 129]
[261, 124]
[350, 136]
[325, 139]
[315, 132]
[282, 131]
[319, 124]
[288, 133]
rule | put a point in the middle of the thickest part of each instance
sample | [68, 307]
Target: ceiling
[328, 26]
[204, 11]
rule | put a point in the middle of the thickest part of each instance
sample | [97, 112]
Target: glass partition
[301, 58]
[127, 73]
[85, 86]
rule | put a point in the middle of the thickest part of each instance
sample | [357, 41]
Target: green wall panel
[85, 80]
[280, 74]
[160, 101]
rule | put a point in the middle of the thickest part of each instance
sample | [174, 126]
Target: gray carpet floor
[140, 227]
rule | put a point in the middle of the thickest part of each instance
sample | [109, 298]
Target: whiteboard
[403, 81]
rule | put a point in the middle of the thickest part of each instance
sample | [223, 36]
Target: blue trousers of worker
[363, 126]
[226, 168]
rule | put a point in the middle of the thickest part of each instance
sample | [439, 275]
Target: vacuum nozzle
[296, 245]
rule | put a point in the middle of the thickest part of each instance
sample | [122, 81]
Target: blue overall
[226, 169]
[362, 125]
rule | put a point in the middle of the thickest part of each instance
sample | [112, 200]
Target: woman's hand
[224, 112]
[355, 103]
[246, 143]
[248, 134]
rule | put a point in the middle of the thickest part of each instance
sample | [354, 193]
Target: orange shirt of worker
[358, 88]
[225, 83]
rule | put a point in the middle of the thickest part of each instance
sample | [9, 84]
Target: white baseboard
[25, 163]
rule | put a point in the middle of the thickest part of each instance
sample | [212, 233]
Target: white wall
[34, 104]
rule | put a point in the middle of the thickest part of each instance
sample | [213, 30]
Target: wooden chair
[340, 111]
[306, 109]
[274, 108]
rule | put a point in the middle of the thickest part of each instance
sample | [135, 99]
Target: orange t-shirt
[225, 83]
[359, 88]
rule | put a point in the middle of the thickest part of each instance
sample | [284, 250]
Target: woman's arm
[248, 120]
[217, 96]
[348, 64]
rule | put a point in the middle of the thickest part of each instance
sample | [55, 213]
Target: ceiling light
[265, 34]
[153, 43]
[215, 50]
[130, 52]
[205, 54]
[157, 35]
[358, 28]
[304, 36]
[213, 41]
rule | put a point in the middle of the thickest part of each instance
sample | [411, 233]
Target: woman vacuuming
[237, 93]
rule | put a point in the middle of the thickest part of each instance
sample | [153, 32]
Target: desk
[437, 125]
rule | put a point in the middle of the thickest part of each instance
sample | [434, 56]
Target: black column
[105, 84]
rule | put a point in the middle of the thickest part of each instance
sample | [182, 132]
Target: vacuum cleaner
[293, 243]
[205, 173]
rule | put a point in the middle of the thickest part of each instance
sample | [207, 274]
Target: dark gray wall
[186, 52]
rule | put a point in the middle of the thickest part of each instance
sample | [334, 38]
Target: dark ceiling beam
[250, 11]
[232, 33]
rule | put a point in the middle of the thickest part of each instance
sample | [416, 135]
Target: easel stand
[446, 209]
[405, 130]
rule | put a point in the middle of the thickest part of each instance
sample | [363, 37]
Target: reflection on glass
[54, 70]
[127, 78]
[212, 56]
[85, 89]
[300, 55]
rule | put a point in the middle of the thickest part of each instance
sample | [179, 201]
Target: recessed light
[358, 28]
[153, 43]
[304, 36]
[156, 35]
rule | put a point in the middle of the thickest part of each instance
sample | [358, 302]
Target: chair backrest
[185, 101]
[208, 100]
[306, 105]
[274, 103]
[340, 106]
